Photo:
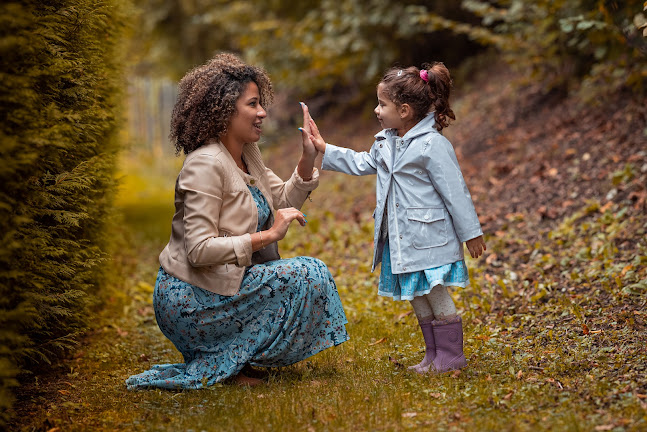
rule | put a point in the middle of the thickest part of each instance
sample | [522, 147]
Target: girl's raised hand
[310, 132]
[316, 138]
[476, 246]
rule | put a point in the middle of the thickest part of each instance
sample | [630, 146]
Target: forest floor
[555, 317]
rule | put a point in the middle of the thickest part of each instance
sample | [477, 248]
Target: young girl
[424, 211]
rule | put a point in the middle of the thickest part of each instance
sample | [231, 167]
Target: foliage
[59, 86]
[598, 42]
[592, 46]
[307, 46]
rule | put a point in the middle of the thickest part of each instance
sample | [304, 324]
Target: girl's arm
[339, 158]
[445, 174]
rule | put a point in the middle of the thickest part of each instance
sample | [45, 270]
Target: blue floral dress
[406, 286]
[287, 310]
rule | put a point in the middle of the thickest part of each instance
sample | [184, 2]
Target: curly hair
[207, 98]
[408, 87]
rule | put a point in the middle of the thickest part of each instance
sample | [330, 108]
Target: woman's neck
[235, 149]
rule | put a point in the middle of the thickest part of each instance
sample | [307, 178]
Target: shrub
[59, 90]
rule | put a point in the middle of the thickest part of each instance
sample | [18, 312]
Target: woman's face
[245, 125]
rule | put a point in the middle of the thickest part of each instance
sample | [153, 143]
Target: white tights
[438, 304]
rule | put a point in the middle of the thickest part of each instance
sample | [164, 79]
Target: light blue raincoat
[419, 183]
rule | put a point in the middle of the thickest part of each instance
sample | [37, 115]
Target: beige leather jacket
[215, 214]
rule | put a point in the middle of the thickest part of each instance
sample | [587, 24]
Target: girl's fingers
[306, 117]
[314, 128]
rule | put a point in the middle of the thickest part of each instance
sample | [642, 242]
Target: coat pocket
[428, 227]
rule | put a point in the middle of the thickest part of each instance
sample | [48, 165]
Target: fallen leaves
[396, 363]
[379, 341]
[403, 315]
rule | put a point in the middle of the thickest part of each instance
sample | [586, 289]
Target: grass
[553, 334]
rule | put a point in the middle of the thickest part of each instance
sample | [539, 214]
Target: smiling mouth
[258, 127]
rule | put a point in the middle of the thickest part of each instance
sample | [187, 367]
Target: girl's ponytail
[440, 85]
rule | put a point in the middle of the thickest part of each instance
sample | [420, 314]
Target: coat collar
[391, 155]
[422, 127]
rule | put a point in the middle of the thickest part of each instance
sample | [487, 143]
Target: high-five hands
[310, 133]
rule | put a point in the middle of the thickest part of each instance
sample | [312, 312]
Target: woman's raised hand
[282, 221]
[308, 147]
[310, 132]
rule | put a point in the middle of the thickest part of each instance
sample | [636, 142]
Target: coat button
[400, 236]
[380, 145]
[397, 205]
[252, 181]
[426, 217]
[404, 268]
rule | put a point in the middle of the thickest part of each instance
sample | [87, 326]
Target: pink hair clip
[424, 75]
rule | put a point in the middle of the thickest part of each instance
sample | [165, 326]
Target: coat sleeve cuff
[308, 185]
[243, 250]
[469, 235]
[330, 148]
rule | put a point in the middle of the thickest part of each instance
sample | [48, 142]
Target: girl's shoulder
[433, 139]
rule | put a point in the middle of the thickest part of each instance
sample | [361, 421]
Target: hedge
[60, 89]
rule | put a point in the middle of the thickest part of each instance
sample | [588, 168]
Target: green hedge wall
[60, 88]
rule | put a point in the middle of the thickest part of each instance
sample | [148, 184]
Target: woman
[223, 296]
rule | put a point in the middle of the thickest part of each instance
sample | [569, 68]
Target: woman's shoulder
[205, 162]
[211, 151]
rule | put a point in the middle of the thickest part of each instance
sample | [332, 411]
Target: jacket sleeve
[348, 161]
[446, 176]
[201, 182]
[293, 192]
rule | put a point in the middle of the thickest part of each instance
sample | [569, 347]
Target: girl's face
[386, 110]
[245, 125]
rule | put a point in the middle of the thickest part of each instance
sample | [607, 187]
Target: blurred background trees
[315, 46]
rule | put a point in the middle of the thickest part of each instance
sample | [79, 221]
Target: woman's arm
[201, 181]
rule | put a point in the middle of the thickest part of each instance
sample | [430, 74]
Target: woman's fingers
[290, 214]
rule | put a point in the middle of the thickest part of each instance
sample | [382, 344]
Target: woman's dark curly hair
[408, 87]
[207, 98]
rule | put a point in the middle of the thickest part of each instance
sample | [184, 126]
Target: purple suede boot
[430, 348]
[448, 335]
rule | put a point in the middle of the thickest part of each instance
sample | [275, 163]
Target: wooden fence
[149, 107]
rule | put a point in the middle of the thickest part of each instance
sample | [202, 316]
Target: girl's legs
[442, 330]
[425, 316]
[441, 302]
[447, 331]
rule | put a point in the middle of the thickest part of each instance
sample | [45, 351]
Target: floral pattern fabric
[406, 286]
[286, 310]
